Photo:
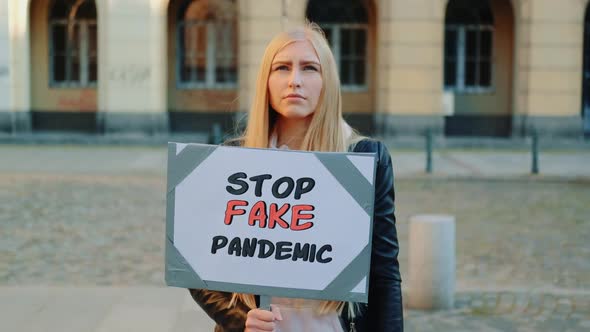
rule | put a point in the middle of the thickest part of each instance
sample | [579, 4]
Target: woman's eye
[282, 67]
[312, 68]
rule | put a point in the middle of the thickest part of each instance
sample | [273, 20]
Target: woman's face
[295, 81]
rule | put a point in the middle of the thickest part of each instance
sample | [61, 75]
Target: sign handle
[265, 302]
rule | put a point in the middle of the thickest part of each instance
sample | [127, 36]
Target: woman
[298, 106]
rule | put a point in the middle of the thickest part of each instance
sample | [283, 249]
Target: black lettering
[219, 242]
[304, 185]
[235, 247]
[249, 247]
[259, 179]
[290, 185]
[299, 252]
[264, 245]
[283, 250]
[320, 258]
[312, 253]
[235, 179]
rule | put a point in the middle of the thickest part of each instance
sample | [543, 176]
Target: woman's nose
[295, 78]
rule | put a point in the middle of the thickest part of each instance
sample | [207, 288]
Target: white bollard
[432, 262]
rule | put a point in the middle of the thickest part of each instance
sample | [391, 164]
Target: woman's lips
[294, 96]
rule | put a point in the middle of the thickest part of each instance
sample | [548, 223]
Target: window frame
[335, 32]
[460, 86]
[83, 38]
[211, 56]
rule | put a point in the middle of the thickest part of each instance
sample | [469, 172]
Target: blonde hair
[328, 131]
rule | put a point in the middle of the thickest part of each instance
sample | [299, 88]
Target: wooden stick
[265, 302]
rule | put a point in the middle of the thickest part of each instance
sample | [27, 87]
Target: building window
[348, 43]
[468, 58]
[207, 45]
[468, 62]
[73, 51]
[346, 27]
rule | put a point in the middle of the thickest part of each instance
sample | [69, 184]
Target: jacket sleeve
[215, 304]
[385, 297]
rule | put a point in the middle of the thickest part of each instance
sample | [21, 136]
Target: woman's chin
[295, 113]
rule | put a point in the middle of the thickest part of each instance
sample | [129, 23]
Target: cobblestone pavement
[507, 311]
[523, 255]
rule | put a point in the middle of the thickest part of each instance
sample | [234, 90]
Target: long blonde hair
[328, 131]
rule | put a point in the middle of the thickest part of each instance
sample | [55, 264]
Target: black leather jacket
[384, 311]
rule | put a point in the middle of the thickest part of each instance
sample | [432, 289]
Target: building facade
[501, 68]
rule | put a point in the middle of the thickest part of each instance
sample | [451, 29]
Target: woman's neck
[290, 132]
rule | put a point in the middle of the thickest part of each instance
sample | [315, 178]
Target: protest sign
[269, 222]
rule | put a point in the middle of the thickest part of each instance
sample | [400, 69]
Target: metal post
[429, 151]
[13, 123]
[215, 136]
[535, 153]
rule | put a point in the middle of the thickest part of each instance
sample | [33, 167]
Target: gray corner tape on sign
[179, 273]
[350, 178]
[186, 161]
[170, 204]
[352, 274]
[287, 292]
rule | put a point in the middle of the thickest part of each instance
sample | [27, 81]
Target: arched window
[469, 29]
[346, 25]
[73, 46]
[207, 44]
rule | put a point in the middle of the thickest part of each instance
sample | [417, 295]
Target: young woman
[297, 106]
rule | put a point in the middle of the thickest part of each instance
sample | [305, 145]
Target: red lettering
[274, 215]
[296, 216]
[230, 210]
[258, 213]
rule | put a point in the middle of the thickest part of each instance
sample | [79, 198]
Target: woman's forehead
[302, 49]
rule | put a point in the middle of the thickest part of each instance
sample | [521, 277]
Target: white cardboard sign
[270, 222]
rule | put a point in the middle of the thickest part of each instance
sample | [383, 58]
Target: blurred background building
[500, 68]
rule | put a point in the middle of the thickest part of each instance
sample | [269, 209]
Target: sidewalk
[408, 163]
[100, 309]
[493, 164]
[155, 309]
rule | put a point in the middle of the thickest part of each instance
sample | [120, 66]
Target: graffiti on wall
[83, 101]
[129, 75]
[213, 100]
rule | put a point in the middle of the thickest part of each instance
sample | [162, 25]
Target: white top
[301, 314]
[272, 142]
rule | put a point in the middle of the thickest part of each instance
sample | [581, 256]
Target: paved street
[82, 239]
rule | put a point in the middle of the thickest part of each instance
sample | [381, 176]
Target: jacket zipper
[352, 327]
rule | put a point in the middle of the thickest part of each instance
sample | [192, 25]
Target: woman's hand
[260, 320]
